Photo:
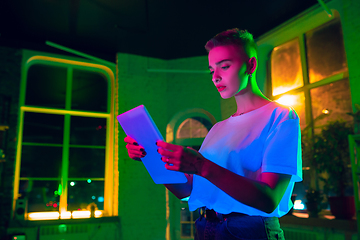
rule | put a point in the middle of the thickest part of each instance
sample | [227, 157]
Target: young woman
[244, 173]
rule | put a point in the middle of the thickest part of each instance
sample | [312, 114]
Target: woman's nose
[216, 78]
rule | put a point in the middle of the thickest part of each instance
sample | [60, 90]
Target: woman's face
[228, 66]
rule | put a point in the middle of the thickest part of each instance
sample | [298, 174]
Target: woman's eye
[211, 72]
[225, 67]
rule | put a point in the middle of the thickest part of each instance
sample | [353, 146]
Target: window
[290, 77]
[315, 82]
[191, 128]
[310, 74]
[187, 221]
[65, 162]
[186, 128]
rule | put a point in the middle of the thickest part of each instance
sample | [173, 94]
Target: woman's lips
[221, 88]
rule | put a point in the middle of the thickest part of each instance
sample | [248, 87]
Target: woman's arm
[263, 194]
[182, 190]
[136, 152]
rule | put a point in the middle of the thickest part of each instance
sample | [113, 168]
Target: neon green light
[89, 180]
[59, 190]
[72, 184]
[62, 228]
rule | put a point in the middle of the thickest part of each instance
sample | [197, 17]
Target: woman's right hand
[135, 151]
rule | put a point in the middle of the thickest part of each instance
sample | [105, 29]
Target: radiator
[297, 234]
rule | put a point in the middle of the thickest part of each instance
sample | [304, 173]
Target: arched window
[64, 164]
[188, 128]
[195, 127]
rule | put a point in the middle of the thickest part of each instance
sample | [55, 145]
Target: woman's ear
[252, 64]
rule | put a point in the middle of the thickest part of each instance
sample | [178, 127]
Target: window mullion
[66, 143]
[69, 88]
[308, 108]
[303, 59]
[109, 173]
[65, 164]
[304, 67]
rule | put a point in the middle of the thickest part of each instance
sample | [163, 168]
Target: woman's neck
[249, 99]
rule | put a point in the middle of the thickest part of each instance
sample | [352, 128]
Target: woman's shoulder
[282, 111]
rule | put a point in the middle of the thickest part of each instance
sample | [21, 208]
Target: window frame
[306, 88]
[111, 157]
[173, 213]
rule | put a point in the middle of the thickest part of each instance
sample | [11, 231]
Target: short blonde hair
[240, 38]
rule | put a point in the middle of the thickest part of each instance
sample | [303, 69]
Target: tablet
[138, 124]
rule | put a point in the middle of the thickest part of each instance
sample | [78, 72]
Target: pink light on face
[228, 70]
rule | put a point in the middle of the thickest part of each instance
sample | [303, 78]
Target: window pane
[43, 128]
[333, 97]
[82, 193]
[86, 163]
[297, 101]
[46, 86]
[41, 161]
[185, 215]
[325, 51]
[41, 195]
[88, 131]
[286, 72]
[89, 91]
[193, 128]
[186, 230]
[184, 129]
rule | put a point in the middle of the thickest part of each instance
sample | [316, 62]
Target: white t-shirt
[266, 139]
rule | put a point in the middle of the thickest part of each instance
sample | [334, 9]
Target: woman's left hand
[179, 158]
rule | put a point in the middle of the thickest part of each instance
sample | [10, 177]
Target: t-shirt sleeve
[282, 150]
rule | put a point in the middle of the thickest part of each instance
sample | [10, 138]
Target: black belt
[210, 214]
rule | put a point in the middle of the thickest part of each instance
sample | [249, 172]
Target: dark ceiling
[164, 29]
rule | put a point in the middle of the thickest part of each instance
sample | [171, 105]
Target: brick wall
[10, 71]
[141, 202]
[191, 87]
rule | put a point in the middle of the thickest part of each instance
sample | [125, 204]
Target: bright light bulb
[72, 184]
[298, 205]
[325, 111]
[89, 180]
[287, 100]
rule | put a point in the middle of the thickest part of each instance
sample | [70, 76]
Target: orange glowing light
[81, 214]
[325, 111]
[65, 215]
[43, 215]
[287, 100]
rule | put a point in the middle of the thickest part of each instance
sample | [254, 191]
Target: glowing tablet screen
[138, 124]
